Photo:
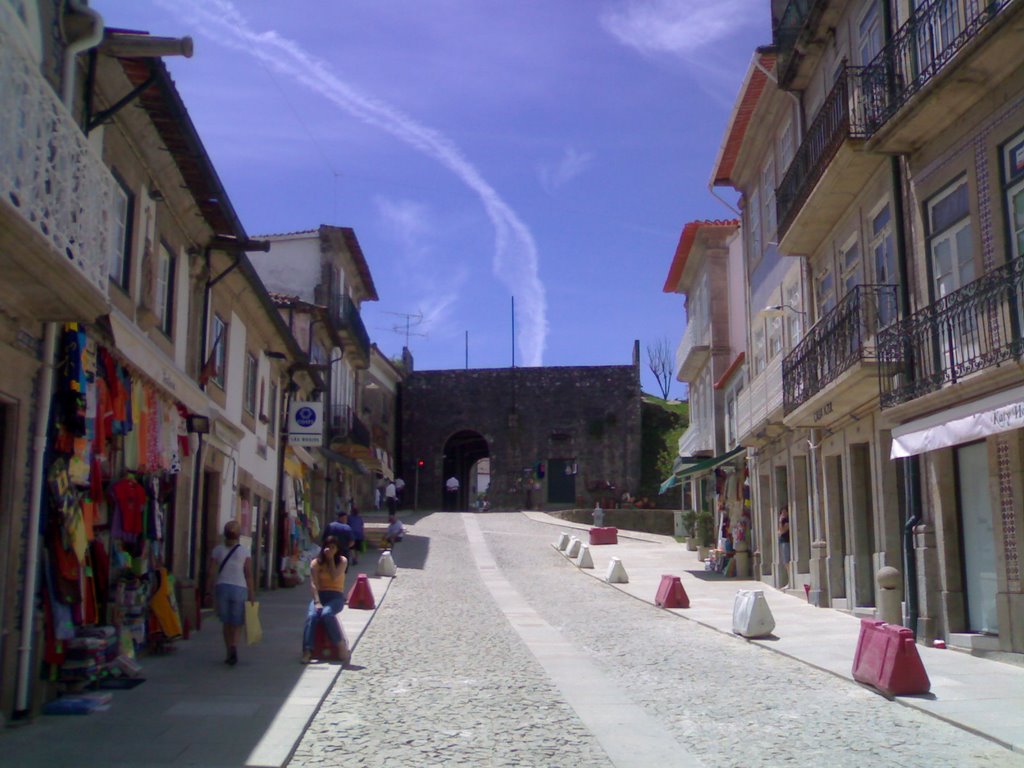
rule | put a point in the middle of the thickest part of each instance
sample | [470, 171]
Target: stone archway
[461, 452]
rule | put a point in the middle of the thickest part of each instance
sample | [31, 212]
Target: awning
[964, 423]
[344, 460]
[683, 468]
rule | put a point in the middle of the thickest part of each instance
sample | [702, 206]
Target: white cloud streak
[515, 260]
[679, 27]
[572, 164]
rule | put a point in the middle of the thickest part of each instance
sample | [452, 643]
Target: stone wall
[585, 418]
[660, 521]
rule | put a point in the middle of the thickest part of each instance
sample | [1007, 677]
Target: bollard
[890, 583]
[751, 616]
[585, 560]
[361, 596]
[887, 659]
[573, 550]
[671, 593]
[598, 515]
[562, 543]
[386, 564]
[616, 572]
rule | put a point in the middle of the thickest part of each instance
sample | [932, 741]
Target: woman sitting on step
[327, 580]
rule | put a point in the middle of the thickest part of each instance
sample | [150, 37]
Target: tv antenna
[411, 321]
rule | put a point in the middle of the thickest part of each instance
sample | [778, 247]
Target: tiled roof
[686, 241]
[743, 111]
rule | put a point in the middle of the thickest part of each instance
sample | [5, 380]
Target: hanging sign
[306, 424]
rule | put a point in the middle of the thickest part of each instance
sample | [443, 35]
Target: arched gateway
[550, 435]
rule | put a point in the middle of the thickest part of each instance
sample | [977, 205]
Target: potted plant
[689, 523]
[705, 530]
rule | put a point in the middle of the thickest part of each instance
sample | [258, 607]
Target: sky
[536, 154]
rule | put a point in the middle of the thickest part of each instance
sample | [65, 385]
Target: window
[218, 356]
[731, 415]
[272, 410]
[755, 227]
[758, 344]
[768, 199]
[826, 283]
[164, 292]
[786, 148]
[883, 257]
[850, 262]
[774, 337]
[794, 317]
[951, 239]
[870, 35]
[1013, 169]
[120, 255]
[249, 394]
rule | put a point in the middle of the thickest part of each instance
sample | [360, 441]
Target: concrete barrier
[616, 572]
[361, 595]
[573, 550]
[604, 536]
[671, 593]
[585, 559]
[386, 564]
[751, 616]
[887, 659]
[562, 543]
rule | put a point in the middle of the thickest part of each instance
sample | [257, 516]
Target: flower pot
[702, 553]
[691, 544]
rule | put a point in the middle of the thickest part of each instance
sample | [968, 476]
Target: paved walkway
[979, 695]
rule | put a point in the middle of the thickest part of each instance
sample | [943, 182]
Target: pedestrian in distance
[399, 490]
[784, 545]
[231, 570]
[327, 583]
[395, 531]
[341, 531]
[355, 522]
[391, 497]
[451, 487]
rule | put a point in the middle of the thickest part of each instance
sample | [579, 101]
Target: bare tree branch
[659, 360]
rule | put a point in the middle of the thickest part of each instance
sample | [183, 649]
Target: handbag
[253, 628]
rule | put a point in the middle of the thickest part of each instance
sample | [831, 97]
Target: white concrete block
[751, 616]
[562, 543]
[573, 550]
[616, 572]
[585, 560]
[386, 564]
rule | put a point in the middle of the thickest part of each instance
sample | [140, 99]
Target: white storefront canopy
[991, 415]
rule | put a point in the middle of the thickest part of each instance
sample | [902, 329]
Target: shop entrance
[835, 528]
[978, 538]
[208, 528]
[561, 481]
[862, 524]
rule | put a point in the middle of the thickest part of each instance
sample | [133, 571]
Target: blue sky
[549, 150]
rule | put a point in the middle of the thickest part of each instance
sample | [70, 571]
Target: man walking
[452, 489]
[391, 497]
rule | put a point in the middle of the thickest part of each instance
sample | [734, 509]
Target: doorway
[977, 537]
[561, 481]
[835, 527]
[862, 524]
[208, 533]
[461, 453]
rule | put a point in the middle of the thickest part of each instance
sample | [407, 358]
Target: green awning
[345, 461]
[682, 469]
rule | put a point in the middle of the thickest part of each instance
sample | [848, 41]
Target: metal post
[416, 489]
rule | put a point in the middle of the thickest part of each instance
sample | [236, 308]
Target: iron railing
[786, 31]
[839, 118]
[927, 42]
[975, 327]
[347, 426]
[842, 338]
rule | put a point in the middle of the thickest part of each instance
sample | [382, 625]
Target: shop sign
[306, 424]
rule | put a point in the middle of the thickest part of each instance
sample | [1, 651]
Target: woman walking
[327, 581]
[232, 564]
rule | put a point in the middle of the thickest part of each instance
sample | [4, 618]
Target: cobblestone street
[442, 677]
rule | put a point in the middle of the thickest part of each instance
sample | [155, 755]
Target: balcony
[349, 322]
[759, 406]
[346, 427]
[946, 57]
[831, 372]
[966, 331]
[696, 442]
[694, 349]
[56, 200]
[828, 170]
[800, 35]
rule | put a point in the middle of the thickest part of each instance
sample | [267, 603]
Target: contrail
[515, 253]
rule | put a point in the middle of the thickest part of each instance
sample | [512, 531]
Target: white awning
[137, 348]
[964, 423]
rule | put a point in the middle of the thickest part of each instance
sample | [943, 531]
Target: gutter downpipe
[912, 464]
[28, 599]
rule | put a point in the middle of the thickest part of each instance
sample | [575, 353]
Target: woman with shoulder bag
[232, 564]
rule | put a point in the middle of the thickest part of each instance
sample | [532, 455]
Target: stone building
[556, 437]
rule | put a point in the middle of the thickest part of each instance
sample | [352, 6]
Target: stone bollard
[741, 558]
[573, 550]
[890, 597]
[386, 564]
[562, 543]
[585, 559]
[598, 516]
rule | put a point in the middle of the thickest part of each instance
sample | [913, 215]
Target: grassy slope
[663, 421]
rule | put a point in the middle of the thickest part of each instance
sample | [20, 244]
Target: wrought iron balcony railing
[347, 426]
[841, 339]
[920, 49]
[839, 118]
[349, 321]
[792, 22]
[975, 327]
[49, 173]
